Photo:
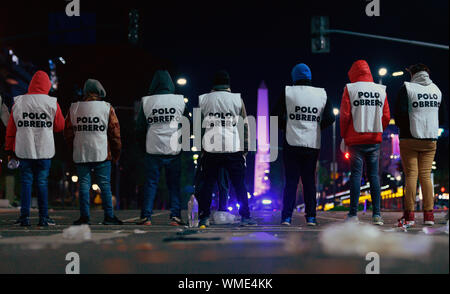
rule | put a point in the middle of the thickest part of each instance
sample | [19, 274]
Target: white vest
[160, 111]
[90, 124]
[34, 116]
[305, 106]
[423, 108]
[367, 103]
[221, 111]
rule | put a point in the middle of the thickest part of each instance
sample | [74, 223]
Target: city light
[230, 208]
[347, 155]
[74, 179]
[336, 112]
[186, 100]
[382, 72]
[267, 202]
[441, 131]
[182, 82]
[398, 73]
[95, 187]
[195, 156]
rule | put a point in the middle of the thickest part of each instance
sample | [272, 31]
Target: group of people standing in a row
[92, 132]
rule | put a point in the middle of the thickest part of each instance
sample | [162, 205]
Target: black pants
[300, 162]
[234, 164]
[223, 186]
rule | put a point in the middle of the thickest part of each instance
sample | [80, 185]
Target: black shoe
[83, 220]
[45, 222]
[248, 222]
[176, 221]
[23, 222]
[146, 221]
[112, 221]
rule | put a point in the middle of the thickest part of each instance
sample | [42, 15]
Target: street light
[382, 72]
[336, 112]
[182, 82]
[398, 74]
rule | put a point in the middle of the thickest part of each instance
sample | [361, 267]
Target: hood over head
[40, 84]
[360, 72]
[422, 78]
[162, 83]
[94, 87]
[301, 72]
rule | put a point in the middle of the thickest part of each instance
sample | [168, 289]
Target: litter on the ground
[435, 231]
[360, 239]
[77, 233]
[223, 218]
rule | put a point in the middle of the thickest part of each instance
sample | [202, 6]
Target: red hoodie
[40, 85]
[360, 72]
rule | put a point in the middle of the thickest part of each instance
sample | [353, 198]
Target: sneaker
[83, 220]
[146, 221]
[286, 221]
[45, 222]
[23, 222]
[428, 218]
[407, 220]
[204, 223]
[377, 220]
[311, 221]
[176, 222]
[352, 219]
[112, 221]
[248, 222]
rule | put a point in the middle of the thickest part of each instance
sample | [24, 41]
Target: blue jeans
[153, 166]
[34, 169]
[102, 171]
[371, 155]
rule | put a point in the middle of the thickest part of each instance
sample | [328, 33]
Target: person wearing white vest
[154, 132]
[364, 116]
[92, 134]
[419, 113]
[303, 111]
[223, 147]
[34, 118]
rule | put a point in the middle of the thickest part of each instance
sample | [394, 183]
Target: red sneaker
[428, 218]
[407, 220]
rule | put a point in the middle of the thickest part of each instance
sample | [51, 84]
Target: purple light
[262, 165]
[230, 208]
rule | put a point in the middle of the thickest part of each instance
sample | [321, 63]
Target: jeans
[234, 164]
[371, 155]
[223, 187]
[102, 171]
[153, 166]
[299, 163]
[34, 169]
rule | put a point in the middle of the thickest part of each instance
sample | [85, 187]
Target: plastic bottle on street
[193, 212]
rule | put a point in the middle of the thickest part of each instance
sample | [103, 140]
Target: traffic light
[320, 41]
[443, 190]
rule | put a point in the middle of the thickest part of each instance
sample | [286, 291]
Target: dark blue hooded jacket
[301, 76]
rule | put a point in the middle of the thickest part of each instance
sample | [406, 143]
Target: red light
[443, 189]
[347, 155]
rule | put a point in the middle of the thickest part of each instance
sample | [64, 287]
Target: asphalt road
[227, 249]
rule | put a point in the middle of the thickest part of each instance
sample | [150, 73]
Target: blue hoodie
[301, 72]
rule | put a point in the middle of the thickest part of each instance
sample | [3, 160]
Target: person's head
[40, 83]
[301, 72]
[93, 88]
[221, 81]
[162, 83]
[419, 67]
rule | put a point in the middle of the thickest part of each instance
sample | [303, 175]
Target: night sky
[253, 40]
